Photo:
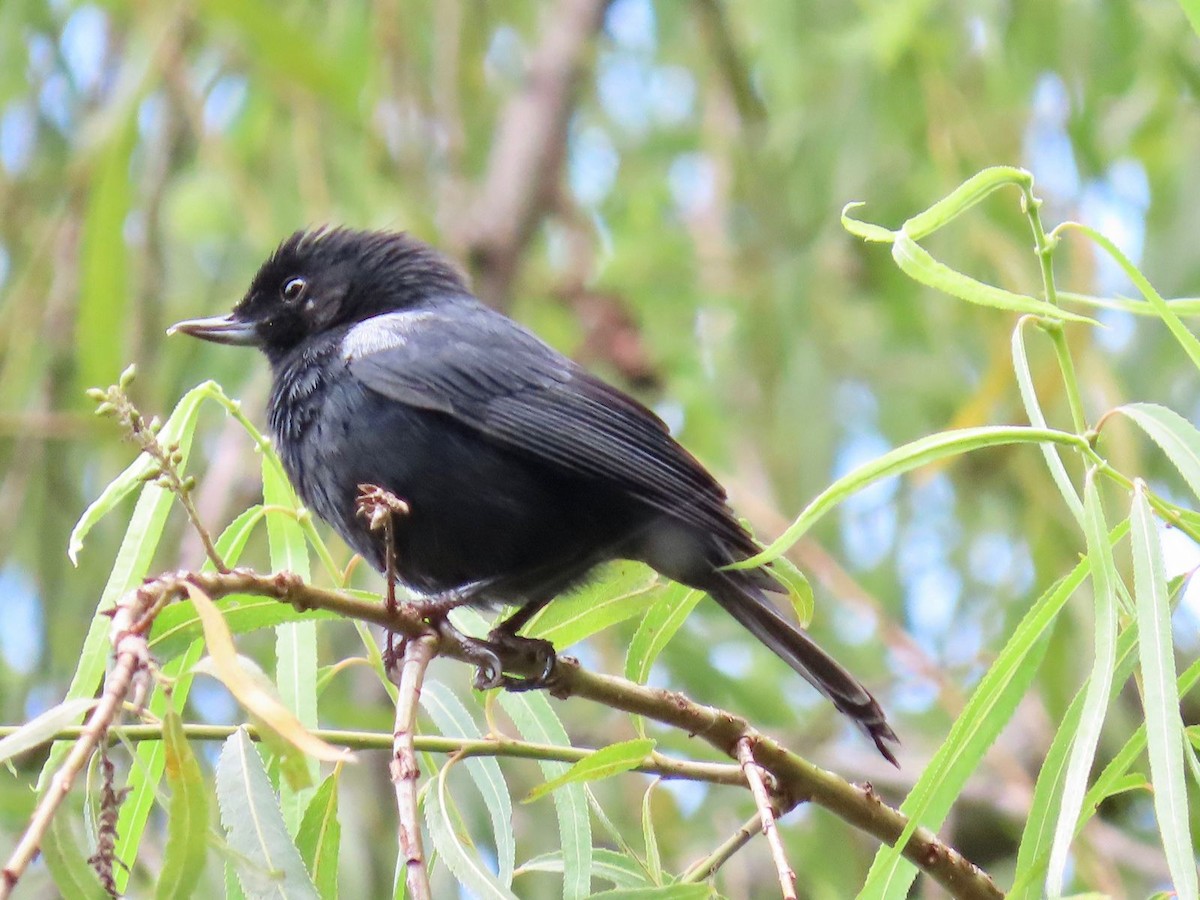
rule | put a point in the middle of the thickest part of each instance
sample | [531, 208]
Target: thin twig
[418, 651]
[754, 778]
[133, 657]
[707, 867]
[166, 473]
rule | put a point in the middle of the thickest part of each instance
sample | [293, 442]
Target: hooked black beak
[219, 330]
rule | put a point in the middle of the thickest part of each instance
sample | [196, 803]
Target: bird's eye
[293, 289]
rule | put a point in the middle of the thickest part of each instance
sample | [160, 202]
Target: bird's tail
[742, 598]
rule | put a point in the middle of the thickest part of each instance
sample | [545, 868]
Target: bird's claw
[540, 652]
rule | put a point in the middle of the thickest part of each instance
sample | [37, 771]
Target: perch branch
[796, 779]
[418, 652]
[766, 814]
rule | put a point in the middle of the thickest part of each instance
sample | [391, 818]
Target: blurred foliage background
[672, 222]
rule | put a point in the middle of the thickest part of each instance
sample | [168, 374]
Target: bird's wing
[493, 376]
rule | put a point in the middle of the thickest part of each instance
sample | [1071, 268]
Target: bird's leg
[504, 637]
[489, 670]
[380, 508]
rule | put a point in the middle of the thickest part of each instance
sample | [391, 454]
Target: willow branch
[706, 868]
[766, 814]
[418, 652]
[796, 779]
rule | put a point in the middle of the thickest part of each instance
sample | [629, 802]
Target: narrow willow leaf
[179, 624]
[295, 642]
[904, 459]
[270, 865]
[657, 628]
[1164, 730]
[1095, 704]
[1177, 437]
[650, 838]
[42, 728]
[865, 230]
[1033, 410]
[232, 541]
[1114, 779]
[608, 865]
[623, 591]
[249, 691]
[536, 721]
[985, 715]
[453, 720]
[1034, 852]
[916, 262]
[73, 875]
[963, 197]
[662, 892]
[1181, 306]
[319, 837]
[604, 763]
[187, 815]
[464, 864]
[799, 589]
[1175, 325]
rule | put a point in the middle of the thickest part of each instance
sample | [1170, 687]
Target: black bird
[521, 471]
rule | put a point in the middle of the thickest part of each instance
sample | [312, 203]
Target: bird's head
[322, 279]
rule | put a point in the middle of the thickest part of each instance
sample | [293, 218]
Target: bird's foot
[489, 669]
[539, 653]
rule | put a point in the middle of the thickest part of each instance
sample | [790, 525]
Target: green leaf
[987, 712]
[800, 592]
[1095, 704]
[1034, 852]
[616, 868]
[453, 720]
[465, 865]
[655, 631]
[624, 590]
[67, 862]
[657, 628]
[295, 642]
[179, 624]
[1177, 437]
[1033, 410]
[42, 728]
[187, 815]
[965, 196]
[604, 763]
[653, 859]
[663, 892]
[271, 865]
[1175, 325]
[319, 837]
[904, 459]
[1164, 730]
[916, 262]
[536, 721]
